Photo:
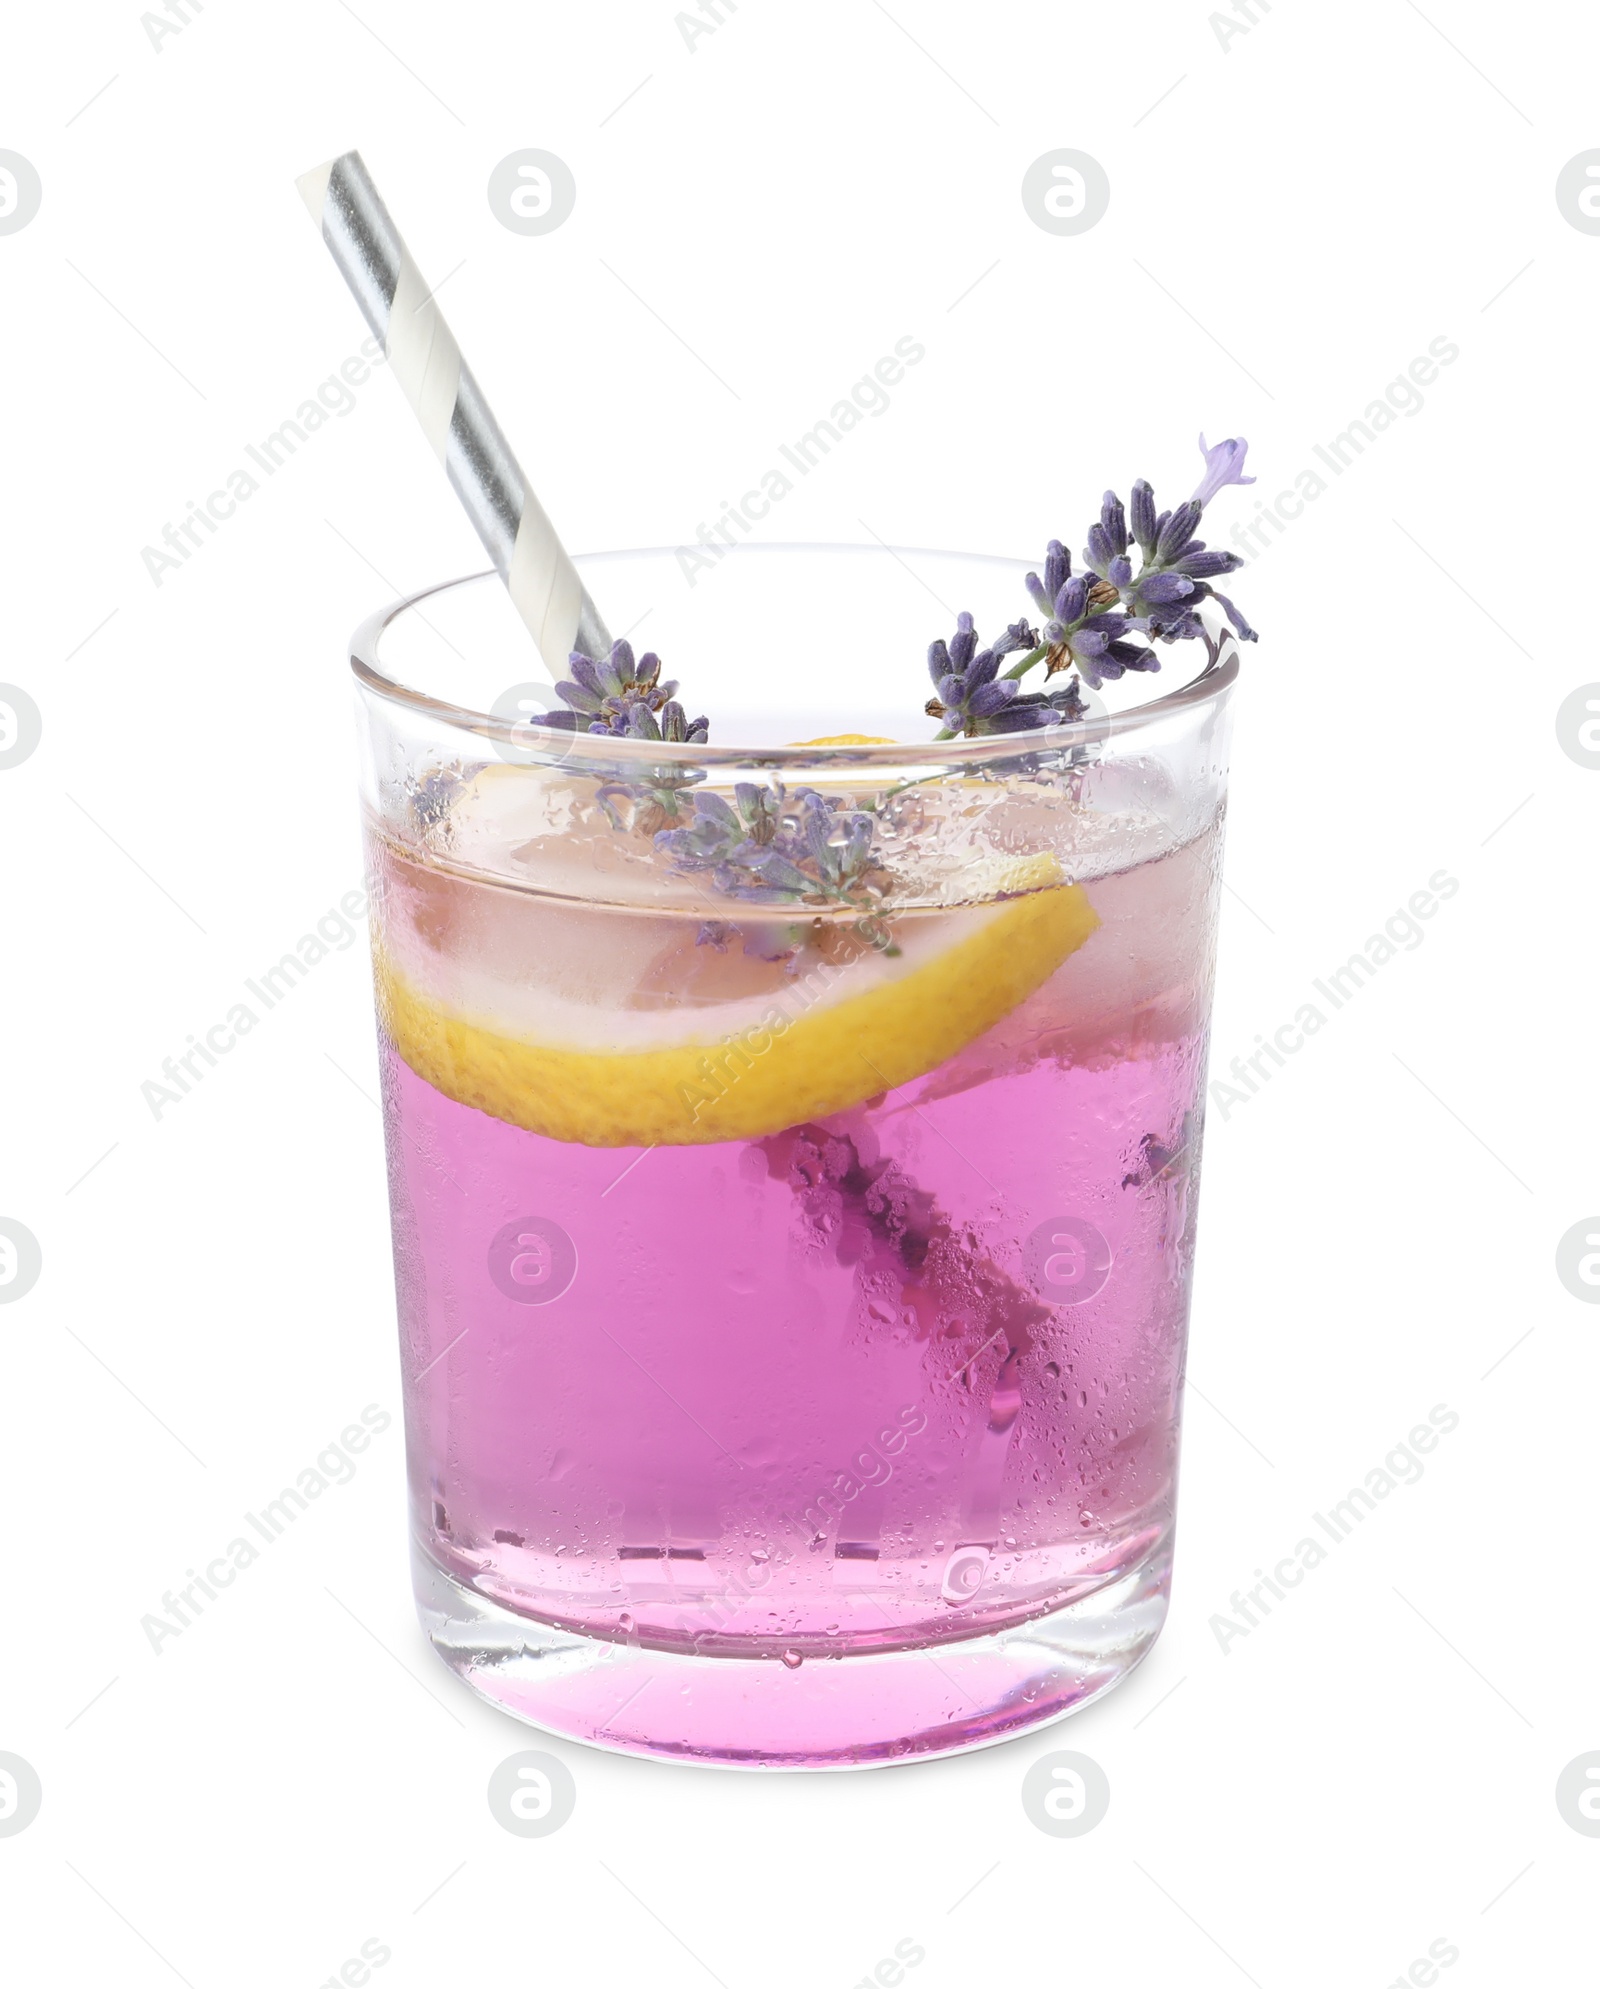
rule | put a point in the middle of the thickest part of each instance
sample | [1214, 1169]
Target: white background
[1294, 216]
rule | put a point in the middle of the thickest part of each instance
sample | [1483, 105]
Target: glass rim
[609, 754]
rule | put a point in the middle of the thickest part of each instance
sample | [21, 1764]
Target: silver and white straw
[465, 436]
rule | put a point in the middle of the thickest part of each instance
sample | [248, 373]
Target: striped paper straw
[466, 438]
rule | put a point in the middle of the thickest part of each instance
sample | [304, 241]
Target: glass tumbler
[793, 1156]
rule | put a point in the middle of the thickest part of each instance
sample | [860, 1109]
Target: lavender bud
[1142, 515]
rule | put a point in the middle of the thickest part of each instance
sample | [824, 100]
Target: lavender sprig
[769, 848]
[1088, 617]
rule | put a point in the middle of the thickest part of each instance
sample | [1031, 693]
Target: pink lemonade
[900, 1379]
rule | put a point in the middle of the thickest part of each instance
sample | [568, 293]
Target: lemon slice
[849, 1027]
[846, 739]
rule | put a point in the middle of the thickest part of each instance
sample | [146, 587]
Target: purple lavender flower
[971, 698]
[1223, 465]
[643, 711]
[605, 693]
[1108, 543]
[719, 828]
[770, 848]
[1241, 627]
[1080, 627]
[638, 719]
[1057, 572]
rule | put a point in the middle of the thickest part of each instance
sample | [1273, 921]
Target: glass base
[863, 1711]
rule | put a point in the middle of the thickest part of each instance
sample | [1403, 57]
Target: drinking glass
[793, 1285]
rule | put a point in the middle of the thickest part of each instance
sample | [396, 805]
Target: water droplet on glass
[792, 1659]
